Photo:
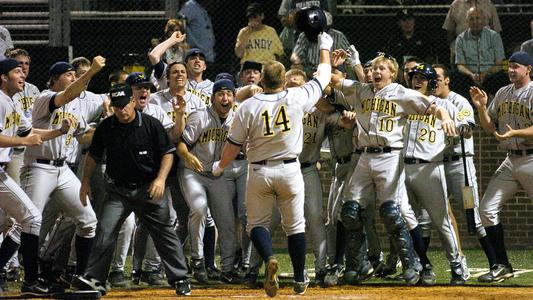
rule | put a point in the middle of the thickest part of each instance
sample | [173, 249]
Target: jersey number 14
[280, 120]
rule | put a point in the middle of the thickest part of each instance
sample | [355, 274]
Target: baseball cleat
[458, 277]
[301, 287]
[183, 287]
[497, 273]
[271, 284]
[332, 276]
[427, 276]
[84, 283]
[35, 289]
[410, 276]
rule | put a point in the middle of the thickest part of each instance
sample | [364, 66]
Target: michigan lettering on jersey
[514, 108]
[379, 105]
[259, 44]
[310, 120]
[59, 116]
[12, 119]
[205, 97]
[213, 135]
[26, 103]
[428, 119]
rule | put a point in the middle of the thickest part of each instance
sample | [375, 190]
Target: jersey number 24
[280, 120]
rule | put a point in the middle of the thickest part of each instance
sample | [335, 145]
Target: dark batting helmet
[427, 71]
[311, 21]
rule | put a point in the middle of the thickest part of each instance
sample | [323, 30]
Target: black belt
[377, 149]
[240, 157]
[305, 165]
[344, 159]
[412, 161]
[451, 158]
[54, 162]
[264, 162]
[521, 152]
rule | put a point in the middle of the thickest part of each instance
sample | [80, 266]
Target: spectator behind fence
[5, 41]
[455, 21]
[479, 56]
[305, 54]
[199, 28]
[527, 46]
[257, 41]
[409, 42]
[178, 50]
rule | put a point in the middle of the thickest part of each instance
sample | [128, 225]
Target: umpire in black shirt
[139, 158]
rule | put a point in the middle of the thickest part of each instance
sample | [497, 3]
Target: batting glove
[217, 170]
[353, 58]
[326, 42]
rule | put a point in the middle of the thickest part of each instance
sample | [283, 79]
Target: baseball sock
[262, 242]
[209, 246]
[29, 248]
[83, 249]
[495, 235]
[296, 245]
[8, 248]
[341, 243]
[427, 240]
[418, 244]
[488, 249]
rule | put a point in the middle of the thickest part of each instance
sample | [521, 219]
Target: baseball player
[424, 171]
[270, 123]
[195, 61]
[45, 175]
[16, 130]
[508, 117]
[156, 58]
[453, 164]
[382, 109]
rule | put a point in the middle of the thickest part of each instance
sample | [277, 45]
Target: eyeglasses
[385, 55]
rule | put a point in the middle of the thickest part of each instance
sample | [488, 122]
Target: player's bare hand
[66, 124]
[507, 135]
[217, 170]
[479, 97]
[157, 189]
[98, 64]
[255, 89]
[449, 127]
[85, 193]
[194, 163]
[338, 57]
[179, 104]
[348, 119]
[32, 139]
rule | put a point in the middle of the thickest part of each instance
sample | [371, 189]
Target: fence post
[59, 29]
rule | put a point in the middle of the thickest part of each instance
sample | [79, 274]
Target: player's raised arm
[479, 98]
[155, 55]
[324, 67]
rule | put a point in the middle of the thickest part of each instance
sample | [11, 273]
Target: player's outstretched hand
[98, 64]
[178, 37]
[156, 189]
[193, 162]
[326, 41]
[348, 119]
[179, 104]
[353, 56]
[338, 57]
[507, 135]
[217, 170]
[32, 139]
[449, 127]
[85, 193]
[478, 96]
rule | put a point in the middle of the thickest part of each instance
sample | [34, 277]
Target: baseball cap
[522, 58]
[405, 14]
[224, 76]
[247, 65]
[223, 84]
[7, 65]
[253, 10]
[138, 79]
[120, 95]
[193, 52]
[60, 67]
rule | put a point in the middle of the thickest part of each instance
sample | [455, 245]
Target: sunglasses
[385, 55]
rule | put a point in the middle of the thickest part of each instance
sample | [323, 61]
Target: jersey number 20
[280, 120]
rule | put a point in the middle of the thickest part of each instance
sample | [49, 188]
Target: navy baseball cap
[120, 95]
[138, 79]
[8, 64]
[522, 58]
[225, 76]
[247, 65]
[223, 84]
[194, 52]
[60, 67]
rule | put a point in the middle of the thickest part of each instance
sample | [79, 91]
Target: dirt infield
[342, 292]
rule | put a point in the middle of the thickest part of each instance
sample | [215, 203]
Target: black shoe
[153, 278]
[427, 276]
[183, 287]
[36, 289]
[497, 273]
[332, 276]
[136, 277]
[320, 277]
[457, 277]
[198, 271]
[213, 273]
[3, 280]
[231, 277]
[117, 279]
[84, 283]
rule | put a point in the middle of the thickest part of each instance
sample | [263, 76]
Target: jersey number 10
[281, 120]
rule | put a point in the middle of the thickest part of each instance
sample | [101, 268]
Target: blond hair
[391, 62]
[273, 74]
[296, 72]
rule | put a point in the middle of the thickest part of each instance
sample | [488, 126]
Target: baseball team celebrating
[174, 159]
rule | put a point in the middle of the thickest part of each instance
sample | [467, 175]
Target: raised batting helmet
[427, 71]
[311, 21]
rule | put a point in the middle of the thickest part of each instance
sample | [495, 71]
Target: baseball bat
[468, 194]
